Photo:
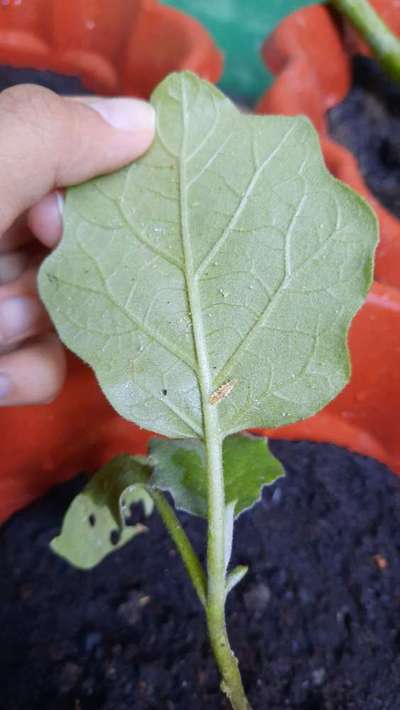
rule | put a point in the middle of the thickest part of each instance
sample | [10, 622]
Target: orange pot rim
[71, 42]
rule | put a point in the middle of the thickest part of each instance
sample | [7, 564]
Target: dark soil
[316, 623]
[62, 84]
[367, 122]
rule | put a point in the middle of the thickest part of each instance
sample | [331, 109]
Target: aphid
[222, 391]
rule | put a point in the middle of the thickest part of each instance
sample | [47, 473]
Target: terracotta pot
[43, 445]
[310, 55]
[118, 47]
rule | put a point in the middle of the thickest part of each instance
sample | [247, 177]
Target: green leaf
[235, 576]
[98, 513]
[179, 466]
[216, 277]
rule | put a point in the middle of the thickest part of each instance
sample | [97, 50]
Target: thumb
[47, 141]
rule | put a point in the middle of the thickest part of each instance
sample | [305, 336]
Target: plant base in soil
[315, 623]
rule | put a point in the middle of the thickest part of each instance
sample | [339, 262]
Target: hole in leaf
[115, 537]
[136, 515]
[165, 392]
[92, 520]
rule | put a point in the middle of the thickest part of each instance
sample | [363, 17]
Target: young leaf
[235, 576]
[180, 468]
[214, 279]
[94, 524]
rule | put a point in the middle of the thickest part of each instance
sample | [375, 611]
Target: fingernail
[60, 204]
[45, 219]
[5, 386]
[18, 316]
[126, 114]
[57, 223]
[12, 266]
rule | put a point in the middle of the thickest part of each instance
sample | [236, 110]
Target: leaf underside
[179, 466]
[95, 525]
[222, 269]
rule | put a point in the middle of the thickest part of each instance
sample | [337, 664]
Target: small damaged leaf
[95, 522]
[180, 468]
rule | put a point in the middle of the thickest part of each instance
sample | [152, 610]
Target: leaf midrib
[193, 276]
[192, 285]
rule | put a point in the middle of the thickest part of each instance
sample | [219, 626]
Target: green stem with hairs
[216, 568]
[216, 544]
[213, 595]
[183, 544]
[384, 44]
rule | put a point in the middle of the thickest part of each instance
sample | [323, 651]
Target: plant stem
[216, 569]
[183, 544]
[213, 599]
[385, 44]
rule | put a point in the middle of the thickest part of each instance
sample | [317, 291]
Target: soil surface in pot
[61, 83]
[367, 122]
[315, 624]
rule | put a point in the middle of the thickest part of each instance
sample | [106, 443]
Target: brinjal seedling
[210, 285]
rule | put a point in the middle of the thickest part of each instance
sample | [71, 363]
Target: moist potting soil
[315, 624]
[367, 122]
[62, 84]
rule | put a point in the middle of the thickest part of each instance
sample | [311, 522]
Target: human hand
[46, 144]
